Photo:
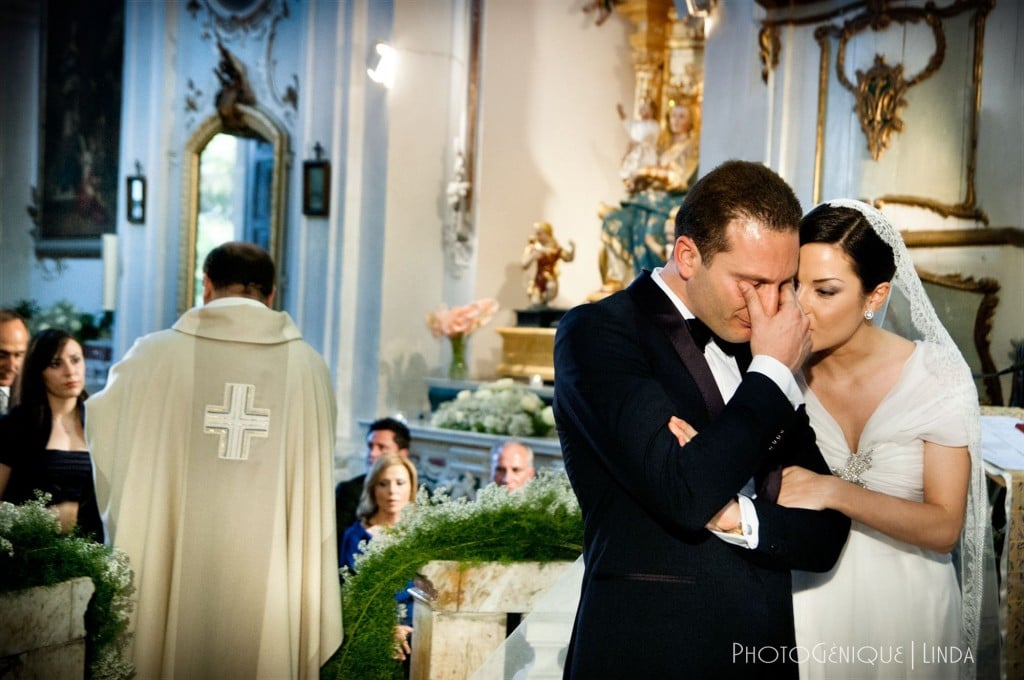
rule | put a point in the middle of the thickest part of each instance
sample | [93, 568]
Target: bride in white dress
[897, 421]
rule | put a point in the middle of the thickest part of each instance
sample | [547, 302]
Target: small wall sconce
[316, 185]
[387, 62]
[136, 195]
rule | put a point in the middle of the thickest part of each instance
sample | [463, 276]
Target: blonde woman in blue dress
[897, 421]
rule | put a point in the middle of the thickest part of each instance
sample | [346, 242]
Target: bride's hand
[681, 429]
[802, 488]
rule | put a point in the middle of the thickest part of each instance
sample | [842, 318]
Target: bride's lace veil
[909, 313]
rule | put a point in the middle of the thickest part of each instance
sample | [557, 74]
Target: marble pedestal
[42, 631]
[466, 620]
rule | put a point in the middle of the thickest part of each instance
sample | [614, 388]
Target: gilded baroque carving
[880, 91]
[234, 89]
[668, 68]
[258, 21]
[981, 332]
[769, 46]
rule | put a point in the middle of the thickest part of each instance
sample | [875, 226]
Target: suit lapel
[652, 300]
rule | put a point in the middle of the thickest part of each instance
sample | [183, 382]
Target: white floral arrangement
[34, 552]
[504, 407]
[62, 315]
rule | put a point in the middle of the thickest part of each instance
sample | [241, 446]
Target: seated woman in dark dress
[42, 440]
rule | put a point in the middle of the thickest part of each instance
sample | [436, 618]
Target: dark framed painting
[316, 188]
[80, 108]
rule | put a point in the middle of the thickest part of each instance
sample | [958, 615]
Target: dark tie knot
[702, 335]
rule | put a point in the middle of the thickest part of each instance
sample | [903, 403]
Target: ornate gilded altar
[669, 65]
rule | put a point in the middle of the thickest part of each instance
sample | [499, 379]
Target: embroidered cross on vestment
[236, 422]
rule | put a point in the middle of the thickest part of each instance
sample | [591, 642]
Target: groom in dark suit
[687, 555]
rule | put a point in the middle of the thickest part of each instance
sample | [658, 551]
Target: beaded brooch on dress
[856, 465]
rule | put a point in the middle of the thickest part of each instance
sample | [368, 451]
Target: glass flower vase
[458, 370]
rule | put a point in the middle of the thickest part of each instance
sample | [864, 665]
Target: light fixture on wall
[136, 194]
[316, 185]
[387, 61]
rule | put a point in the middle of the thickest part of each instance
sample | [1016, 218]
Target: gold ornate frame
[988, 289]
[877, 16]
[261, 123]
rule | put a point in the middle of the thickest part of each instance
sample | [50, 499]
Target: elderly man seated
[512, 464]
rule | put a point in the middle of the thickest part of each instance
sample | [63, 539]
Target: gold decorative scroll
[769, 46]
[684, 63]
[650, 18]
[947, 238]
[880, 91]
[987, 290]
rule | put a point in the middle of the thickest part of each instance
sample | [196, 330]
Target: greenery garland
[34, 552]
[541, 522]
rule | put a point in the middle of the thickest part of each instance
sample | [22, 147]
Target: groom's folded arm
[608, 393]
[794, 538]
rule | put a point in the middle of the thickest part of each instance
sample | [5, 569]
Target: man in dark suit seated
[386, 435]
[687, 556]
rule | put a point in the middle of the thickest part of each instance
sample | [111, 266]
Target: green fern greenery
[540, 523]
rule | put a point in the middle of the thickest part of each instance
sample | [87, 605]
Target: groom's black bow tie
[702, 335]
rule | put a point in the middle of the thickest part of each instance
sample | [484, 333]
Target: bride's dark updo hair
[849, 229]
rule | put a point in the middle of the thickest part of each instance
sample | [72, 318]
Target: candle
[109, 272]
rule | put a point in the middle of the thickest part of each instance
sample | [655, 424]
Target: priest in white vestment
[213, 452]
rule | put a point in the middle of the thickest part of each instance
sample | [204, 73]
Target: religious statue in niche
[661, 160]
[633, 235]
[544, 253]
[643, 138]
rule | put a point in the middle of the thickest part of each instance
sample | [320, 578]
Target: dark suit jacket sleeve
[800, 539]
[612, 398]
[346, 502]
[20, 443]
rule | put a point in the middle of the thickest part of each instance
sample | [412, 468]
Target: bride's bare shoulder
[897, 348]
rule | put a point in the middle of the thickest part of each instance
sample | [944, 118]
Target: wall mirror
[234, 190]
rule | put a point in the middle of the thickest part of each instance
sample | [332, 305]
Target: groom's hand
[782, 333]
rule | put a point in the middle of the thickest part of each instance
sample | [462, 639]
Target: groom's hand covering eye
[783, 335]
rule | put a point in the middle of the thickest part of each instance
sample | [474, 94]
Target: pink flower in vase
[463, 320]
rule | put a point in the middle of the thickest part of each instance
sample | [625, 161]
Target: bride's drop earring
[868, 314]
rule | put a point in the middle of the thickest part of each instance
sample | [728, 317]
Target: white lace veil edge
[956, 376]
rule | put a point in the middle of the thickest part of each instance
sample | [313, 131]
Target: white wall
[422, 123]
[550, 146]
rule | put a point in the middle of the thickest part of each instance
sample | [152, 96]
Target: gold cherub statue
[544, 251]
